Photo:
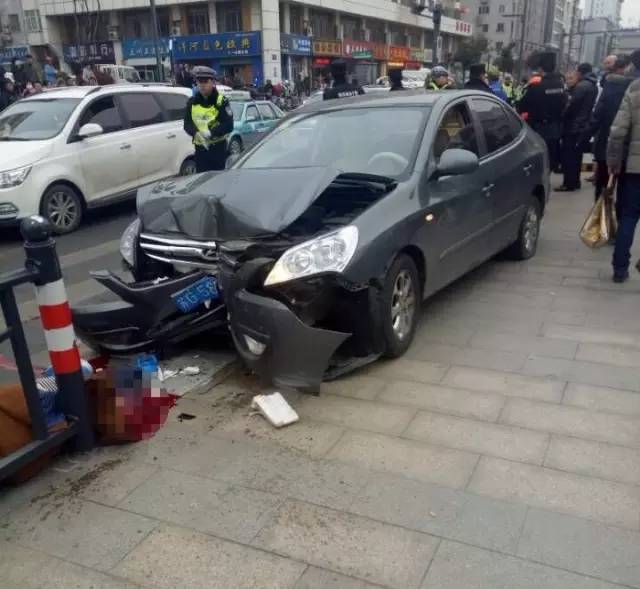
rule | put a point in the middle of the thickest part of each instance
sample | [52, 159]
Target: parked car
[72, 149]
[121, 74]
[324, 239]
[251, 120]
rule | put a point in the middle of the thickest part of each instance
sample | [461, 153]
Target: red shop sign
[322, 61]
[398, 53]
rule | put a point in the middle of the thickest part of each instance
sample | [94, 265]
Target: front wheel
[401, 301]
[188, 167]
[62, 207]
[235, 147]
[526, 245]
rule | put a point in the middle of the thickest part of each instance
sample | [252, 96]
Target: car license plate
[205, 289]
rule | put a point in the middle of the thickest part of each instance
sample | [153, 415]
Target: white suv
[70, 149]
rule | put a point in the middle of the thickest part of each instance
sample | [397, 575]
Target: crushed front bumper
[293, 354]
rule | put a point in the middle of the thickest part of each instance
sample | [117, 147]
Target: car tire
[235, 146]
[63, 207]
[526, 245]
[188, 167]
[401, 302]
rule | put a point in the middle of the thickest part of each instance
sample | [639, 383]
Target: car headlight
[128, 243]
[14, 177]
[327, 253]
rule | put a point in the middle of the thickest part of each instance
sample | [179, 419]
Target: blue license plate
[205, 289]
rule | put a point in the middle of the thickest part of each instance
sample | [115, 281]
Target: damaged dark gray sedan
[325, 238]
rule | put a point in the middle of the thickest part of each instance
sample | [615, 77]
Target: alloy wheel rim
[531, 229]
[403, 305]
[62, 210]
[235, 147]
[189, 169]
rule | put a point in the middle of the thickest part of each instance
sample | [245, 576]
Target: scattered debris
[432, 514]
[275, 409]
[166, 374]
[185, 417]
[190, 370]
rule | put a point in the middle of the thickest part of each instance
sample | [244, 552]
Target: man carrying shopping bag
[623, 159]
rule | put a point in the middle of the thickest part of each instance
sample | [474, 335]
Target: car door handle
[487, 189]
[125, 146]
[171, 136]
[527, 169]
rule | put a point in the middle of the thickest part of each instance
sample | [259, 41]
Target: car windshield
[364, 140]
[34, 120]
[236, 108]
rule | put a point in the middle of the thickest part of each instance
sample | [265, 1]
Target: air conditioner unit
[114, 33]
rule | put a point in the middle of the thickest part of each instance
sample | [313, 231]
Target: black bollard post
[55, 314]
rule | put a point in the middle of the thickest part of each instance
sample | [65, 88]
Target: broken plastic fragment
[275, 409]
[190, 370]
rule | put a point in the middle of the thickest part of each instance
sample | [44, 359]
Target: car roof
[84, 91]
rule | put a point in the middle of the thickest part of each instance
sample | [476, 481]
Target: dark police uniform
[340, 87]
[543, 106]
[215, 115]
[395, 77]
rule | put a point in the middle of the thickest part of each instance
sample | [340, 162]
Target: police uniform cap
[439, 72]
[204, 73]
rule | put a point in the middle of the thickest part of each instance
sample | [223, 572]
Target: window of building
[500, 27]
[229, 17]
[323, 25]
[14, 23]
[138, 24]
[141, 109]
[352, 29]
[483, 9]
[296, 19]
[414, 37]
[377, 32]
[198, 20]
[499, 46]
[501, 9]
[102, 112]
[397, 36]
[32, 20]
[485, 28]
[497, 128]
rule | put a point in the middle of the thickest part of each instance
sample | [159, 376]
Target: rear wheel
[188, 168]
[526, 245]
[62, 207]
[235, 147]
[401, 300]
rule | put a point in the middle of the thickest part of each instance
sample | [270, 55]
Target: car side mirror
[457, 162]
[90, 130]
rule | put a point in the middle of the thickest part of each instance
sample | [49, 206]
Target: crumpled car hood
[238, 203]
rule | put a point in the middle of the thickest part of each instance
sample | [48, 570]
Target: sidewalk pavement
[501, 452]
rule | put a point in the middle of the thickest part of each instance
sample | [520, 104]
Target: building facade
[610, 9]
[253, 40]
[596, 40]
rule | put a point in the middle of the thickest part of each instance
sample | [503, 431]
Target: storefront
[324, 53]
[296, 56]
[141, 54]
[416, 59]
[398, 57]
[232, 55]
[9, 53]
[364, 60]
[101, 52]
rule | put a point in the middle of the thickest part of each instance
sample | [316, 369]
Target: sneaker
[565, 189]
[620, 277]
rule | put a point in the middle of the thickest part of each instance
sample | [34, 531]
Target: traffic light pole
[436, 15]
[156, 44]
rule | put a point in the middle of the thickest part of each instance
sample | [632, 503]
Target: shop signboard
[101, 52]
[9, 53]
[364, 54]
[295, 44]
[332, 48]
[416, 55]
[378, 51]
[217, 46]
[144, 48]
[456, 27]
[398, 54]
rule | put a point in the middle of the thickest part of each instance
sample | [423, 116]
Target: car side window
[515, 120]
[103, 112]
[497, 129]
[456, 131]
[173, 104]
[252, 114]
[141, 109]
[266, 112]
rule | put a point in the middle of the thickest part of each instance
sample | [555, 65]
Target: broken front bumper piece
[277, 345]
[147, 315]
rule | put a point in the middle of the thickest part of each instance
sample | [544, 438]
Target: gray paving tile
[479, 437]
[620, 377]
[354, 413]
[485, 406]
[406, 369]
[415, 460]
[596, 499]
[582, 546]
[315, 578]
[203, 504]
[457, 566]
[442, 333]
[528, 300]
[174, 557]
[442, 512]
[512, 385]
[602, 399]
[573, 421]
[356, 546]
[596, 459]
[358, 386]
[473, 357]
[616, 355]
[527, 344]
[268, 468]
[79, 531]
[591, 335]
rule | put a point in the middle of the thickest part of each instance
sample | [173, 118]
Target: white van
[121, 74]
[71, 149]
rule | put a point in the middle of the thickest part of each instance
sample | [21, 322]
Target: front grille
[180, 252]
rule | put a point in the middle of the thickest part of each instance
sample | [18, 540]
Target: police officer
[340, 87]
[544, 102]
[209, 120]
[439, 79]
[395, 77]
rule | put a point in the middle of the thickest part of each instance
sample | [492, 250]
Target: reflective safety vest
[204, 118]
[509, 91]
[433, 86]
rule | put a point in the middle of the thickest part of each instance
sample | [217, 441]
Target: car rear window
[141, 109]
[174, 104]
